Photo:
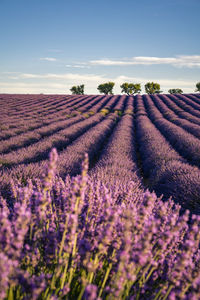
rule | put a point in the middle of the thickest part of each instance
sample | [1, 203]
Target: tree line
[129, 88]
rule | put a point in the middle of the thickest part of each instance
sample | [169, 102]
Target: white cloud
[187, 86]
[55, 50]
[32, 88]
[28, 75]
[13, 77]
[11, 73]
[107, 62]
[178, 61]
[52, 83]
[48, 58]
[65, 76]
[83, 66]
[165, 82]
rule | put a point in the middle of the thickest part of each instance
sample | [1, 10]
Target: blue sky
[49, 45]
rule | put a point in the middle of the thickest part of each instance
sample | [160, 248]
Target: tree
[131, 88]
[198, 87]
[175, 91]
[106, 88]
[77, 90]
[152, 88]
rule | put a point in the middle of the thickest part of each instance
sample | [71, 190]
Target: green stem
[64, 276]
[77, 204]
[158, 294]
[105, 279]
[56, 275]
[127, 289]
[151, 271]
[72, 262]
[47, 225]
[31, 231]
[138, 295]
[10, 294]
[168, 292]
[63, 237]
[91, 274]
[48, 296]
[53, 281]
[81, 293]
[185, 289]
[46, 293]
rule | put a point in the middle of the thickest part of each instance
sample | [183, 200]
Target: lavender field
[100, 197]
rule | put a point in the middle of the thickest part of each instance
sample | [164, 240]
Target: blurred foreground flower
[74, 239]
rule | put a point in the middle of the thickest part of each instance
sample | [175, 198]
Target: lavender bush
[73, 239]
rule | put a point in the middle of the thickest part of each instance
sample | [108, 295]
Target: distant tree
[175, 91]
[131, 88]
[77, 90]
[152, 88]
[106, 88]
[198, 87]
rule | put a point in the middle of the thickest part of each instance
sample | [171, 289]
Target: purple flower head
[90, 292]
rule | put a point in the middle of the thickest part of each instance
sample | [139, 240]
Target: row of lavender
[46, 109]
[80, 134]
[58, 134]
[20, 123]
[55, 121]
[48, 103]
[162, 142]
[166, 170]
[52, 126]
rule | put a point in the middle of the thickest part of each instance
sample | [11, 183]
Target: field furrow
[55, 119]
[183, 105]
[179, 111]
[165, 171]
[183, 142]
[117, 162]
[152, 141]
[168, 114]
[61, 139]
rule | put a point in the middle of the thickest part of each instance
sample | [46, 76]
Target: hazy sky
[49, 45]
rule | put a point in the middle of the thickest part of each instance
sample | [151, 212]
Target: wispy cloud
[61, 83]
[82, 66]
[28, 75]
[65, 76]
[55, 50]
[11, 73]
[48, 58]
[51, 83]
[165, 83]
[178, 61]
[33, 88]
